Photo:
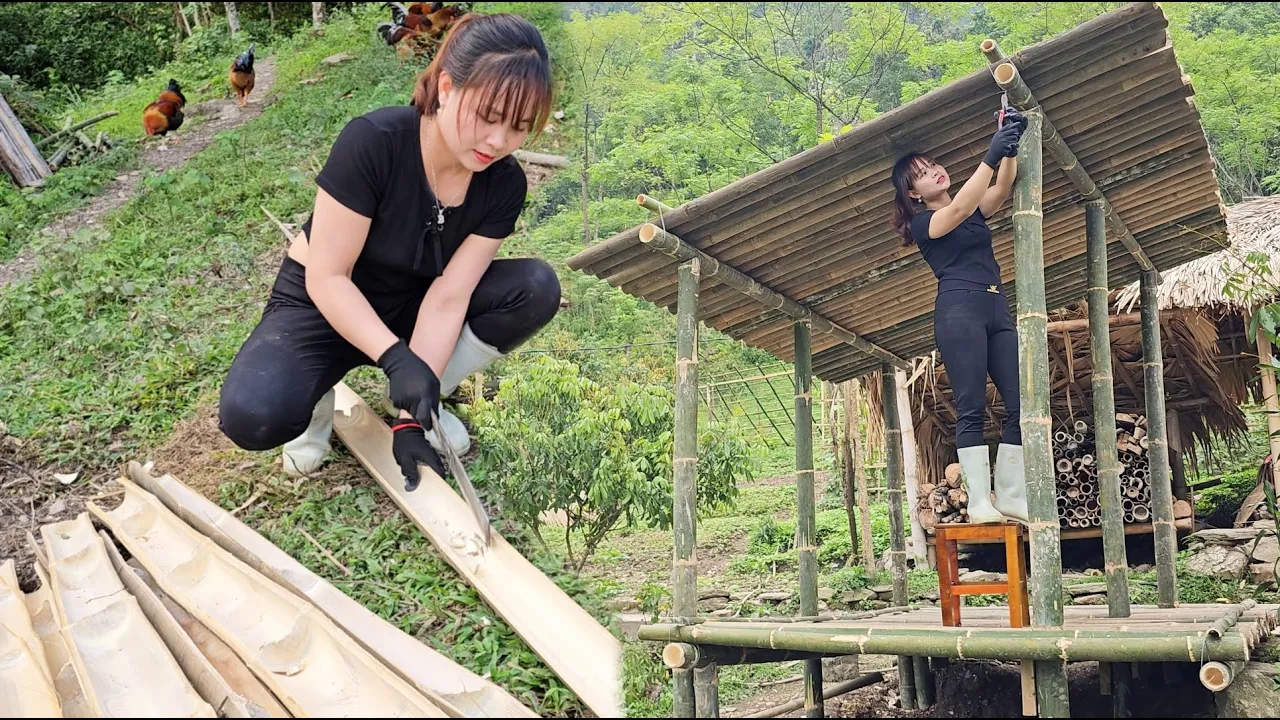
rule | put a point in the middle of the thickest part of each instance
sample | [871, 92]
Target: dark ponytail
[500, 55]
[907, 169]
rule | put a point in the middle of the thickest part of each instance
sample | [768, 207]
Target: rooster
[422, 24]
[241, 75]
[165, 114]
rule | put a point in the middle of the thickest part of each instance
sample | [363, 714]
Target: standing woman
[972, 325]
[396, 265]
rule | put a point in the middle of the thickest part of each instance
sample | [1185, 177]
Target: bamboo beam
[806, 537]
[667, 244]
[1270, 402]
[686, 656]
[1114, 321]
[1007, 77]
[535, 158]
[897, 540]
[1052, 646]
[1045, 582]
[684, 572]
[1104, 416]
[1166, 536]
[653, 204]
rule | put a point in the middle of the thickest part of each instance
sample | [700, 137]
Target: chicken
[165, 114]
[422, 24]
[241, 75]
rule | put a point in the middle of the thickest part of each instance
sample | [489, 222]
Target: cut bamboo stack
[1079, 492]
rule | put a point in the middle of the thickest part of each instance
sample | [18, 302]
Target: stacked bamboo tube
[1076, 464]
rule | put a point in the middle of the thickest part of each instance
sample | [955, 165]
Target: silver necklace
[431, 164]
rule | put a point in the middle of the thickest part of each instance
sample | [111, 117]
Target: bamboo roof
[1253, 226]
[816, 228]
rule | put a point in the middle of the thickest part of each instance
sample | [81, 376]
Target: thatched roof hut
[1210, 366]
[1201, 285]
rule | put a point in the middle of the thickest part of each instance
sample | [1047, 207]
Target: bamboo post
[1007, 77]
[664, 242]
[1104, 416]
[861, 489]
[806, 541]
[848, 445]
[1045, 582]
[706, 690]
[924, 683]
[1104, 431]
[1166, 536]
[1271, 403]
[684, 473]
[897, 542]
[910, 466]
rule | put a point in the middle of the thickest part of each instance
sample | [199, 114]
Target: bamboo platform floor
[1186, 633]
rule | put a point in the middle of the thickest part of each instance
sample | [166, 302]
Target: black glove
[411, 449]
[414, 386]
[1005, 142]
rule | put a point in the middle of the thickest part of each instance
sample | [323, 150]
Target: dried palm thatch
[1253, 226]
[1200, 285]
[1190, 345]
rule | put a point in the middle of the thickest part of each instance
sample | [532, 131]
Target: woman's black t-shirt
[961, 259]
[375, 169]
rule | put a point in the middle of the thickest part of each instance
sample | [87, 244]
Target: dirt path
[163, 155]
[28, 496]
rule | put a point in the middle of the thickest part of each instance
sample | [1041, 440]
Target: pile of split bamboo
[1076, 465]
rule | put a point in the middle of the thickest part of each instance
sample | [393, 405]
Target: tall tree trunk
[233, 17]
[181, 19]
[586, 176]
[195, 13]
[271, 13]
[847, 444]
[317, 15]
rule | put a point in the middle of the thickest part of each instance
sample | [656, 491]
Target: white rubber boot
[304, 454]
[1011, 484]
[470, 355]
[976, 464]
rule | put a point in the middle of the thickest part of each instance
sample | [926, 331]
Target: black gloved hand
[414, 386]
[1016, 118]
[1005, 142]
[411, 449]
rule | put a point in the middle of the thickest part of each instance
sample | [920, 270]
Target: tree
[600, 453]
[233, 18]
[317, 15]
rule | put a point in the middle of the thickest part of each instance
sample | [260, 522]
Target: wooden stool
[950, 589]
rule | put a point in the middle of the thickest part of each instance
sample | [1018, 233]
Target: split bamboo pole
[1045, 582]
[1104, 413]
[1271, 403]
[910, 467]
[1007, 77]
[667, 244]
[861, 489]
[684, 474]
[806, 539]
[1166, 535]
[897, 541]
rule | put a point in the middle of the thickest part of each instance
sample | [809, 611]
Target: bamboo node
[1033, 213]
[1064, 645]
[808, 548]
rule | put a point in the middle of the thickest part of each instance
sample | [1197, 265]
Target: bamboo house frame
[799, 259]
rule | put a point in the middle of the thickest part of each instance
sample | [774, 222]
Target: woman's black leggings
[976, 335]
[295, 356]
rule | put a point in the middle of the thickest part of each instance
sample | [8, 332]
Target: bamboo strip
[44, 620]
[417, 663]
[26, 684]
[124, 667]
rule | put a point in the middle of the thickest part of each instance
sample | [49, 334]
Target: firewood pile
[1076, 471]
